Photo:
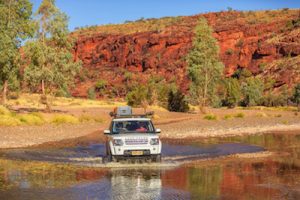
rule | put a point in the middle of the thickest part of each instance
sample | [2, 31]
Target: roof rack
[147, 114]
[126, 112]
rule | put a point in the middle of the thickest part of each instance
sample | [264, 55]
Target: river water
[77, 173]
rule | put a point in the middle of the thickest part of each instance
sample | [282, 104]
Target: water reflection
[272, 178]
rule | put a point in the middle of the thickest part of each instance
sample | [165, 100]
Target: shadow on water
[271, 178]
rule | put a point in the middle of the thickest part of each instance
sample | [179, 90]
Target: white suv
[132, 136]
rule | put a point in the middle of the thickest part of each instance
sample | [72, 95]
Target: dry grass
[33, 101]
[239, 115]
[64, 119]
[141, 25]
[210, 117]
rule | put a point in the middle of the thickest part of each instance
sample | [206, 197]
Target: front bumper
[126, 157]
[129, 150]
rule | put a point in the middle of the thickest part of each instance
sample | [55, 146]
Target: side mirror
[106, 132]
[157, 130]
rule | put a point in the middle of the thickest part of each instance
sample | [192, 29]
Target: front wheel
[106, 159]
[157, 158]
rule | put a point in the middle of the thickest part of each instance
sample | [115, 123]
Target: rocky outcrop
[246, 40]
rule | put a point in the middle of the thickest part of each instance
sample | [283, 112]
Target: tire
[157, 158]
[105, 159]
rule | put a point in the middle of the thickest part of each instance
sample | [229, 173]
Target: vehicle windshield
[132, 126]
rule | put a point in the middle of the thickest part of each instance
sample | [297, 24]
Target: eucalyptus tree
[51, 63]
[204, 66]
[15, 26]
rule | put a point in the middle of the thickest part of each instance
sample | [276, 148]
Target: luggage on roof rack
[126, 111]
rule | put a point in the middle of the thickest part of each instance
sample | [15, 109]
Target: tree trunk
[4, 92]
[204, 97]
[44, 99]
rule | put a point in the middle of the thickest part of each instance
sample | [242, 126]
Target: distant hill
[267, 43]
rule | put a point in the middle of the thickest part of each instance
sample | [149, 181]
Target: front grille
[136, 141]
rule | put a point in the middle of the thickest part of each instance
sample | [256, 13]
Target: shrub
[8, 120]
[252, 91]
[239, 115]
[226, 117]
[4, 111]
[91, 93]
[210, 117]
[64, 119]
[101, 84]
[242, 73]
[177, 102]
[272, 100]
[229, 52]
[137, 96]
[31, 119]
[233, 92]
[261, 114]
[296, 95]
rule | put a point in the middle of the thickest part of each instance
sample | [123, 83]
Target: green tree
[15, 26]
[204, 66]
[51, 62]
[233, 92]
[177, 102]
[252, 90]
[296, 95]
[137, 96]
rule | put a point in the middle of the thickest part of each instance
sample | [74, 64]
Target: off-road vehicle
[131, 136]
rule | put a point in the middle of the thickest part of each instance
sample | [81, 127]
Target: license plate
[137, 153]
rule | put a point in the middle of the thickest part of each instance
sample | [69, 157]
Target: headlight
[154, 141]
[117, 142]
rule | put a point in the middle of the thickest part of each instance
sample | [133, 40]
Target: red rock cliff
[252, 40]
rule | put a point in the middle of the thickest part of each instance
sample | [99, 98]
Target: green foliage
[177, 102]
[252, 90]
[229, 52]
[49, 55]
[242, 73]
[204, 67]
[31, 119]
[8, 118]
[91, 93]
[15, 26]
[63, 91]
[101, 84]
[137, 96]
[158, 90]
[210, 117]
[271, 99]
[233, 92]
[296, 94]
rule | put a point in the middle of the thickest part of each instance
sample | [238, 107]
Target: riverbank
[218, 123]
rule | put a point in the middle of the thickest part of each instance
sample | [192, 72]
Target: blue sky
[96, 12]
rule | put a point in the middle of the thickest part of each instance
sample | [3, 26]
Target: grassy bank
[9, 118]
